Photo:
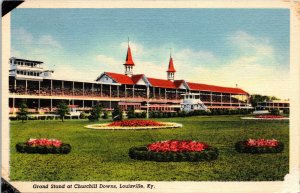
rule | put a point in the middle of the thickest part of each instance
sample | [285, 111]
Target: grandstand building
[29, 81]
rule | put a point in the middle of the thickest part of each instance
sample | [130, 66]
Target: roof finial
[128, 41]
[170, 52]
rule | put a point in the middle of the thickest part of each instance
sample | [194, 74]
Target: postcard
[151, 96]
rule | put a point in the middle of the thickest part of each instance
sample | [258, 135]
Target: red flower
[135, 123]
[262, 143]
[177, 146]
[269, 116]
[44, 142]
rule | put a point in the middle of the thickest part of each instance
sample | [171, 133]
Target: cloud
[48, 40]
[25, 45]
[21, 36]
[251, 62]
[135, 48]
[253, 67]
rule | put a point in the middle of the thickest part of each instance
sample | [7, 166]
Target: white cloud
[30, 47]
[22, 36]
[48, 40]
[135, 48]
[254, 68]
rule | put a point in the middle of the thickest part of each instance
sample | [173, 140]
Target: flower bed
[175, 151]
[269, 116]
[259, 146]
[43, 146]
[134, 124]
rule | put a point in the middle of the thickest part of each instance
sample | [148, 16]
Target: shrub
[274, 112]
[117, 114]
[243, 147]
[143, 114]
[82, 115]
[62, 110]
[286, 111]
[26, 148]
[23, 112]
[105, 115]
[95, 113]
[131, 114]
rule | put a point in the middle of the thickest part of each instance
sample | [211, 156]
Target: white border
[291, 181]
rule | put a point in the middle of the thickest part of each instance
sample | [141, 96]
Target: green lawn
[102, 155]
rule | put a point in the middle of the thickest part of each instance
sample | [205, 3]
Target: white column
[13, 105]
[25, 86]
[110, 91]
[51, 88]
[118, 91]
[221, 99]
[133, 91]
[93, 89]
[165, 94]
[153, 91]
[62, 87]
[39, 87]
[83, 88]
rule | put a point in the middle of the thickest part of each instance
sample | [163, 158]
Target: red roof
[161, 83]
[120, 78]
[171, 66]
[136, 78]
[205, 87]
[177, 83]
[129, 61]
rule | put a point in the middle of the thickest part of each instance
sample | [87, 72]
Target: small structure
[191, 102]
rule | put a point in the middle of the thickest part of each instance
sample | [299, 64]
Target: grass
[102, 155]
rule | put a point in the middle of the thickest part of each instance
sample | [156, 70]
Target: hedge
[159, 114]
[142, 153]
[241, 147]
[25, 148]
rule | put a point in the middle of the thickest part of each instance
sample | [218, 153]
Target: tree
[130, 113]
[23, 112]
[62, 110]
[105, 114]
[117, 114]
[95, 113]
[256, 98]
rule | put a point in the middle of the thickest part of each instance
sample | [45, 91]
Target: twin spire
[129, 65]
[129, 62]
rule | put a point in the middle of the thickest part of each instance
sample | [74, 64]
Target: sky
[225, 47]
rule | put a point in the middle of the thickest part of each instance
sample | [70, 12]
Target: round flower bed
[43, 146]
[134, 124]
[174, 151]
[257, 146]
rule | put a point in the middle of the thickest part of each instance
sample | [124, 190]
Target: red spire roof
[171, 66]
[129, 61]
